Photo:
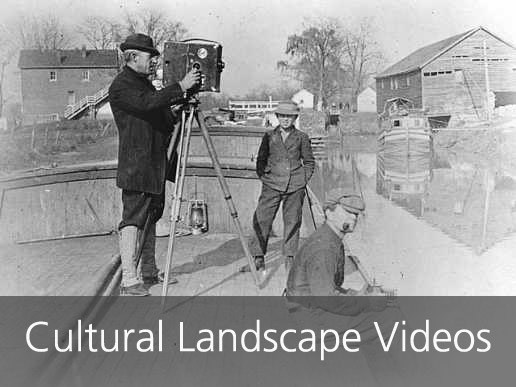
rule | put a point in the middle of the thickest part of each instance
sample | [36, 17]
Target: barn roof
[67, 58]
[372, 87]
[426, 54]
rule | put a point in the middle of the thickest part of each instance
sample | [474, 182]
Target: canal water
[473, 204]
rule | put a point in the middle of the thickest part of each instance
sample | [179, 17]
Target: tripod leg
[310, 206]
[227, 195]
[176, 202]
[173, 139]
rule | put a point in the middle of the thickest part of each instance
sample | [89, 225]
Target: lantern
[198, 216]
[197, 213]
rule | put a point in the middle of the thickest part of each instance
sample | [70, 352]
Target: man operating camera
[145, 122]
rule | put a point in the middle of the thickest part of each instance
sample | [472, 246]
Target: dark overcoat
[145, 122]
[285, 166]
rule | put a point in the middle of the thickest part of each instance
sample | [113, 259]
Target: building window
[383, 86]
[85, 75]
[408, 80]
[437, 73]
[53, 76]
[396, 83]
[392, 83]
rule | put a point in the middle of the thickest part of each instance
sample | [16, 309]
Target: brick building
[448, 78]
[54, 80]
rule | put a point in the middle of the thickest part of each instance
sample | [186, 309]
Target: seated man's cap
[350, 201]
[139, 42]
[287, 108]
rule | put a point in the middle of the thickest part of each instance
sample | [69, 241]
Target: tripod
[185, 131]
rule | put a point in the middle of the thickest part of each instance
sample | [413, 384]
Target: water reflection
[403, 175]
[339, 168]
[472, 202]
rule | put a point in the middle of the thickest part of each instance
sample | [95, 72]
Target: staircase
[83, 105]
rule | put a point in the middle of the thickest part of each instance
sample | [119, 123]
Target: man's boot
[130, 285]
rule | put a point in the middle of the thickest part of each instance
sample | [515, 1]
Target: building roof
[301, 92]
[368, 89]
[426, 54]
[67, 58]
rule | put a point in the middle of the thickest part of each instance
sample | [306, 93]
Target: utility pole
[486, 71]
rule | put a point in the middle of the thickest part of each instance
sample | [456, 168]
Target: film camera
[205, 55]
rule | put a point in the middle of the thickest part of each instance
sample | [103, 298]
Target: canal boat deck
[400, 251]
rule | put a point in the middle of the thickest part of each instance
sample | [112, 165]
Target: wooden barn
[456, 78]
[64, 83]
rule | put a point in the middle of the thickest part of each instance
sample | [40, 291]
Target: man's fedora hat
[287, 108]
[139, 42]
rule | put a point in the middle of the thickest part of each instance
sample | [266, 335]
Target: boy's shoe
[159, 279]
[259, 263]
[136, 290]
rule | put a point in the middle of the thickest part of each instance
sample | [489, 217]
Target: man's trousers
[268, 205]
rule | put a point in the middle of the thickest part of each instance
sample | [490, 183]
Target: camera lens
[196, 65]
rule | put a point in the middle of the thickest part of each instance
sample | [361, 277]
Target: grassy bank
[313, 122]
[45, 144]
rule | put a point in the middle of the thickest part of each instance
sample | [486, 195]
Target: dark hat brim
[286, 112]
[130, 46]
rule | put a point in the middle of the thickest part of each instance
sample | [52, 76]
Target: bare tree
[8, 51]
[316, 58]
[42, 33]
[156, 25]
[283, 91]
[361, 58]
[100, 32]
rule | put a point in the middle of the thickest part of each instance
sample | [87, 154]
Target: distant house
[245, 108]
[448, 78]
[55, 81]
[366, 101]
[304, 99]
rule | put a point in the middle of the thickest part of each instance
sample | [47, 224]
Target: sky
[254, 33]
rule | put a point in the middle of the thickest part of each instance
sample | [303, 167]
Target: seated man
[318, 270]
